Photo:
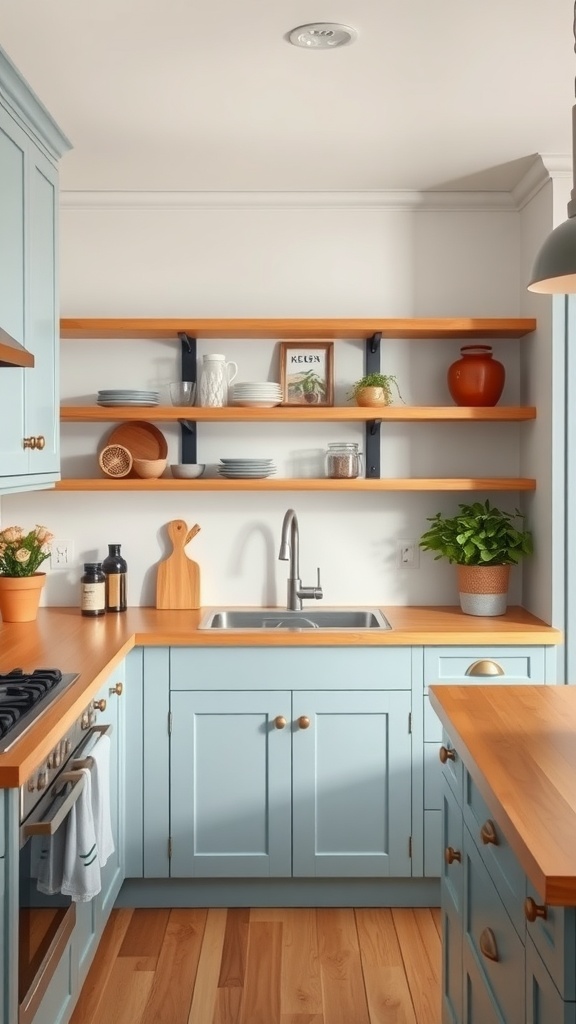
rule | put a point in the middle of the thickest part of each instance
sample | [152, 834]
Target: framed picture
[306, 372]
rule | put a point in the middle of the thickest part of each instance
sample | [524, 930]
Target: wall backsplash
[271, 262]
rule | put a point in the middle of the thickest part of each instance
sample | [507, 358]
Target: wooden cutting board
[178, 580]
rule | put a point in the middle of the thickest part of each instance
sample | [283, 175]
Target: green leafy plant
[21, 553]
[386, 381]
[480, 534]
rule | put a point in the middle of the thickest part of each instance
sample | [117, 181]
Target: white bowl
[188, 470]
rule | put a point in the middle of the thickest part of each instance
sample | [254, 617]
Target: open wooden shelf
[295, 329]
[283, 414]
[290, 484]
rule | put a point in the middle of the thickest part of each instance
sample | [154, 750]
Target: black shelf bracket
[189, 437]
[188, 428]
[373, 449]
[372, 365]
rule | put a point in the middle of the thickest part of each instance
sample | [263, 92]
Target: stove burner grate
[23, 696]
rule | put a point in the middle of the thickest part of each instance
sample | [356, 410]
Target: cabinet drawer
[555, 939]
[266, 668]
[489, 930]
[504, 869]
[464, 665]
[544, 1004]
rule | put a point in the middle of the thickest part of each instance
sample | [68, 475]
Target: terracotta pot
[483, 589]
[20, 597]
[476, 378]
[372, 396]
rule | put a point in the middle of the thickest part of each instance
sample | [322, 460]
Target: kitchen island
[509, 876]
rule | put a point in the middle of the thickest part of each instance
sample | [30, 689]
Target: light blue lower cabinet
[351, 784]
[452, 897]
[230, 800]
[544, 1004]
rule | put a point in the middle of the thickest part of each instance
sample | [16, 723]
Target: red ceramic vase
[476, 378]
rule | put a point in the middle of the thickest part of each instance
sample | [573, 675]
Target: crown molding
[546, 167]
[397, 200]
[28, 109]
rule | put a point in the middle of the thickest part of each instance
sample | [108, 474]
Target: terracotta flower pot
[20, 597]
[372, 396]
[483, 589]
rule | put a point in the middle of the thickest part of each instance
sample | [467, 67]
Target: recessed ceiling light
[322, 35]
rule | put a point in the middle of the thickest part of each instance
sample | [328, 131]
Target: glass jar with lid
[343, 460]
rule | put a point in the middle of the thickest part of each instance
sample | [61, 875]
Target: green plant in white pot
[484, 542]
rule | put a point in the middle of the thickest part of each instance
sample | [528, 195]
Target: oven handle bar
[88, 762]
[49, 826]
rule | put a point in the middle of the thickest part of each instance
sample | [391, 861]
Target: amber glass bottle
[115, 569]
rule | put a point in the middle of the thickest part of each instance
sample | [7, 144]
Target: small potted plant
[375, 389]
[483, 541]
[21, 555]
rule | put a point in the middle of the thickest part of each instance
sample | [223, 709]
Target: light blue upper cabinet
[30, 145]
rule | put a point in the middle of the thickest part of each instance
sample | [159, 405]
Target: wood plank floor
[265, 966]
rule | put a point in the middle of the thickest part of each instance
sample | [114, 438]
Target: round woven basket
[115, 460]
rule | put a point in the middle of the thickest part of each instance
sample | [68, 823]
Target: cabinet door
[544, 1004]
[351, 784]
[480, 1006]
[13, 147]
[230, 784]
[451, 891]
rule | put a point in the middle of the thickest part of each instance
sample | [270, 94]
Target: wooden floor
[265, 966]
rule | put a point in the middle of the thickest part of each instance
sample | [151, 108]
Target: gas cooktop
[23, 698]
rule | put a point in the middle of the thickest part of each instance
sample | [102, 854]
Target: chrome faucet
[290, 549]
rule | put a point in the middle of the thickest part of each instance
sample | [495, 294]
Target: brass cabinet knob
[450, 855]
[34, 442]
[279, 722]
[485, 667]
[116, 689]
[99, 705]
[532, 910]
[488, 946]
[304, 722]
[446, 754]
[488, 833]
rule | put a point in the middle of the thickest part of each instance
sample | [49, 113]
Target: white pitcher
[215, 377]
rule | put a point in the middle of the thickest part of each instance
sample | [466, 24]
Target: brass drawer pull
[99, 705]
[446, 754]
[117, 689]
[488, 946]
[450, 855]
[485, 667]
[532, 910]
[279, 722]
[488, 833]
[304, 722]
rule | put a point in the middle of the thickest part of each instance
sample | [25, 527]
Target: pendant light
[554, 270]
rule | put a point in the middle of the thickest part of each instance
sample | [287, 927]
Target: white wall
[309, 256]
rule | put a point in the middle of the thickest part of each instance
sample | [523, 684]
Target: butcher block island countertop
[63, 638]
[519, 745]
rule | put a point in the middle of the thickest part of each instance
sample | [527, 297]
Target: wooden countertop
[519, 745]
[63, 638]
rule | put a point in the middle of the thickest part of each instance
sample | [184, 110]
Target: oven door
[46, 919]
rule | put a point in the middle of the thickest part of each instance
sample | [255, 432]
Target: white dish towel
[100, 771]
[81, 873]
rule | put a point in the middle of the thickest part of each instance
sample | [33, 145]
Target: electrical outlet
[407, 554]
[62, 554]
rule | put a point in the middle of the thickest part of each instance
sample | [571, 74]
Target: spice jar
[343, 461]
[93, 590]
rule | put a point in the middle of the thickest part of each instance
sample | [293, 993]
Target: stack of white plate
[246, 469]
[126, 396]
[256, 394]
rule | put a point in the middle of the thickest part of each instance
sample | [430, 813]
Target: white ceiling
[189, 95]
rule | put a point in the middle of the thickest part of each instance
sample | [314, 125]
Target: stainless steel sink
[308, 618]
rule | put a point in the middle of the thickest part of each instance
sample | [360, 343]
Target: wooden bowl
[149, 469]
